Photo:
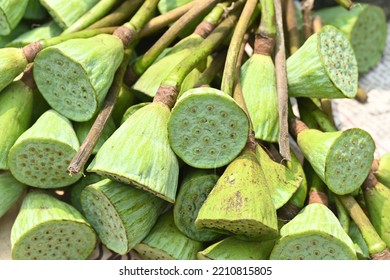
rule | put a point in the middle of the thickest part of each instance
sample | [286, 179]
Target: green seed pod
[83, 128]
[121, 214]
[11, 12]
[19, 29]
[70, 75]
[232, 248]
[45, 31]
[35, 11]
[240, 203]
[358, 241]
[12, 63]
[314, 234]
[49, 229]
[366, 28]
[383, 172]
[193, 191]
[207, 128]
[324, 67]
[138, 153]
[261, 98]
[168, 5]
[166, 242]
[41, 155]
[131, 110]
[16, 106]
[282, 181]
[341, 159]
[77, 188]
[10, 191]
[67, 13]
[125, 100]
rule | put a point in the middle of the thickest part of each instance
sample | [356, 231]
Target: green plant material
[347, 4]
[207, 128]
[341, 159]
[232, 248]
[121, 214]
[358, 240]
[168, 5]
[35, 11]
[77, 188]
[12, 63]
[259, 90]
[10, 191]
[240, 203]
[282, 181]
[366, 28]
[383, 171]
[166, 242]
[324, 67]
[11, 13]
[100, 9]
[144, 158]
[45, 31]
[49, 229]
[193, 191]
[342, 214]
[19, 29]
[66, 14]
[314, 234]
[83, 128]
[16, 106]
[41, 155]
[69, 75]
[131, 110]
[125, 100]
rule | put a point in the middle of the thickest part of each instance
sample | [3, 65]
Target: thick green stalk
[348, 4]
[142, 16]
[212, 70]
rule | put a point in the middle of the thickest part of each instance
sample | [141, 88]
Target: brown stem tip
[126, 35]
[31, 50]
[384, 255]
[166, 95]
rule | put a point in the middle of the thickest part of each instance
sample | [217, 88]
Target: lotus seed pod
[49, 229]
[324, 67]
[358, 241]
[366, 28]
[12, 63]
[125, 100]
[77, 188]
[261, 98]
[35, 11]
[10, 191]
[19, 29]
[11, 12]
[70, 75]
[168, 5]
[138, 153]
[121, 214]
[193, 191]
[82, 129]
[240, 203]
[377, 200]
[207, 128]
[282, 181]
[41, 155]
[314, 234]
[383, 172]
[166, 242]
[66, 14]
[232, 248]
[131, 110]
[16, 104]
[341, 159]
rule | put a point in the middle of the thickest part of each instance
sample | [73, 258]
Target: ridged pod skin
[378, 204]
[207, 128]
[10, 191]
[67, 14]
[41, 155]
[341, 159]
[16, 105]
[138, 153]
[240, 203]
[132, 109]
[324, 67]
[166, 242]
[366, 28]
[19, 29]
[74, 76]
[314, 234]
[49, 229]
[11, 12]
[282, 181]
[193, 191]
[35, 11]
[12, 63]
[77, 188]
[121, 215]
[232, 248]
[258, 82]
[383, 172]
[167, 5]
[358, 240]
